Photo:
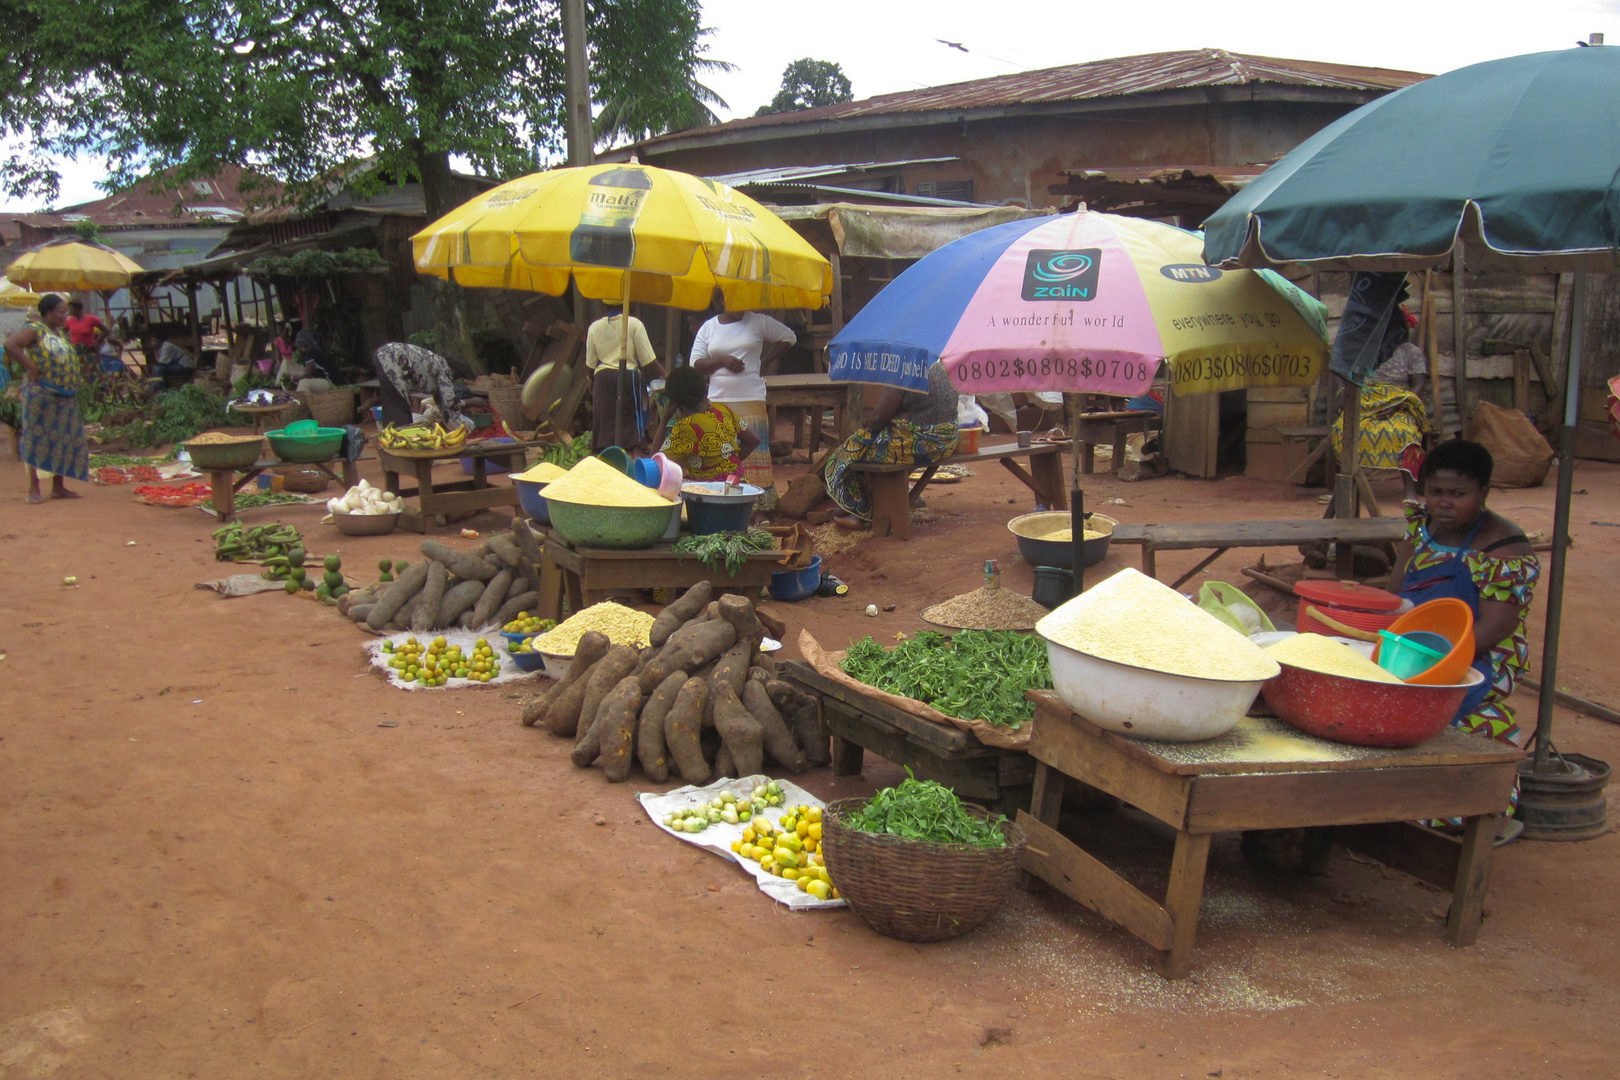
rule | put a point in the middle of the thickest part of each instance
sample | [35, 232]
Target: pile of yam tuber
[486, 584]
[700, 701]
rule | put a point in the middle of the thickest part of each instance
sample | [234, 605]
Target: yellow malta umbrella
[16, 296]
[73, 266]
[674, 238]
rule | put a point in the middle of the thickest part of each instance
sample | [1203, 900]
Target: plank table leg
[847, 757]
[1045, 806]
[815, 429]
[551, 587]
[1181, 902]
[351, 473]
[1119, 448]
[1088, 458]
[424, 493]
[1473, 878]
[1150, 561]
[224, 498]
[1047, 472]
[575, 592]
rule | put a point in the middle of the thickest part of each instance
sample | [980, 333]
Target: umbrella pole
[1560, 543]
[624, 355]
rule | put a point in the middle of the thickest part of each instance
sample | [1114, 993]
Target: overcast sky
[890, 45]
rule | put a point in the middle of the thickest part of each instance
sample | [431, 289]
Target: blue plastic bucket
[491, 465]
[791, 585]
[531, 499]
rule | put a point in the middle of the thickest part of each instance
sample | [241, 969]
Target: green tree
[300, 89]
[808, 83]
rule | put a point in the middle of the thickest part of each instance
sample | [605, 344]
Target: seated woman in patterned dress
[1455, 546]
[904, 428]
[706, 439]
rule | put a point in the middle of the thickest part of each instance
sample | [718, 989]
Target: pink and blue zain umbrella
[1084, 302]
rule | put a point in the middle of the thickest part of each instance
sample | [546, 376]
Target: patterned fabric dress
[925, 435]
[1392, 419]
[707, 444]
[1510, 579]
[52, 438]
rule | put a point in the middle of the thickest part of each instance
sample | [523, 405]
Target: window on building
[202, 187]
[960, 190]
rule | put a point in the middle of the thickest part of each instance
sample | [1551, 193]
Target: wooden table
[814, 393]
[589, 575]
[994, 775]
[263, 415]
[226, 483]
[1113, 428]
[1264, 775]
[437, 501]
[891, 497]
[1223, 536]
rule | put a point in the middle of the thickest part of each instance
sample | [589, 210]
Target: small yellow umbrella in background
[17, 296]
[73, 266]
[622, 233]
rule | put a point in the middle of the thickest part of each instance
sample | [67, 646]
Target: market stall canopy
[902, 232]
[1516, 157]
[1084, 302]
[680, 238]
[13, 295]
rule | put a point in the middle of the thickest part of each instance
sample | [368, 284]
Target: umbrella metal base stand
[1565, 802]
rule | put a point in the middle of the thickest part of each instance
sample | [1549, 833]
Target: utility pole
[580, 139]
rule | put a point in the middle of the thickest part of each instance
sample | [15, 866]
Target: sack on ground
[1522, 456]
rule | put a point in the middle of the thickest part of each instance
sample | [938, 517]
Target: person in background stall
[52, 440]
[605, 359]
[309, 367]
[704, 438]
[404, 370]
[905, 428]
[1394, 419]
[173, 363]
[84, 332]
[731, 349]
[111, 353]
[1456, 546]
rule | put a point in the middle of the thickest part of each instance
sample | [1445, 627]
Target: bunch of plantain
[421, 437]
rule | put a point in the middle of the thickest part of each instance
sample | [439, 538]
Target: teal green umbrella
[1518, 157]
[1517, 160]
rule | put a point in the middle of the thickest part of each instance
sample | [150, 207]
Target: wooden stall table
[1264, 775]
[994, 775]
[814, 393]
[452, 498]
[1223, 536]
[226, 483]
[587, 575]
[263, 415]
[1111, 428]
[892, 497]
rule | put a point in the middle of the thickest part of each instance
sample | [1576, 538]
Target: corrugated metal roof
[1118, 77]
[789, 173]
[158, 202]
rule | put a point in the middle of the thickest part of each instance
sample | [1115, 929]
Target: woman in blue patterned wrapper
[905, 428]
[52, 439]
[1455, 546]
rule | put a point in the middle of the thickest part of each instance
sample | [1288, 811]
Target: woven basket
[301, 479]
[328, 408]
[507, 401]
[914, 890]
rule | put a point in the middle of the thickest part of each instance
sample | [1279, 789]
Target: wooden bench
[1226, 535]
[891, 498]
[1111, 428]
[586, 575]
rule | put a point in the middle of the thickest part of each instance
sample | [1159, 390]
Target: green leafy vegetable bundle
[729, 548]
[925, 810]
[977, 675]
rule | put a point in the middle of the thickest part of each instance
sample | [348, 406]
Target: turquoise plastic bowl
[323, 445]
[1407, 656]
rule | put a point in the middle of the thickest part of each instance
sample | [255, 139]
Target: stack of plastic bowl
[1448, 624]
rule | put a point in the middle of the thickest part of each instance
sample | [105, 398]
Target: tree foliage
[297, 89]
[807, 84]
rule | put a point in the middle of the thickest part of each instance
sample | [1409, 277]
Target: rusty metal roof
[1118, 77]
[161, 202]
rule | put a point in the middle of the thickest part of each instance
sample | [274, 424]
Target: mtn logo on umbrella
[1191, 273]
[1063, 274]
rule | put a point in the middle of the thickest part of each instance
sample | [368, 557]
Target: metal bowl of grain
[1045, 538]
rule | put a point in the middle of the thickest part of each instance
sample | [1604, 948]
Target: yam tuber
[737, 611]
[732, 670]
[619, 662]
[723, 765]
[773, 626]
[425, 608]
[359, 612]
[494, 596]
[759, 674]
[651, 750]
[389, 603]
[805, 720]
[688, 648]
[616, 720]
[779, 740]
[741, 733]
[681, 728]
[458, 600]
[562, 711]
[505, 548]
[510, 610]
[463, 564]
[688, 605]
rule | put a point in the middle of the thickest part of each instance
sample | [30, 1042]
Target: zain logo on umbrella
[1061, 274]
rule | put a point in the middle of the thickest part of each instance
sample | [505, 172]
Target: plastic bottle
[831, 586]
[605, 235]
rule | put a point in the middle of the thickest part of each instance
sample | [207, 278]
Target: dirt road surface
[215, 863]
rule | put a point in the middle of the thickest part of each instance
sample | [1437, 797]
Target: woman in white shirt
[730, 349]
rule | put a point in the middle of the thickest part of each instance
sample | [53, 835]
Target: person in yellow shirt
[606, 359]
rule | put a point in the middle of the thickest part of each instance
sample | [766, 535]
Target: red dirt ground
[216, 863]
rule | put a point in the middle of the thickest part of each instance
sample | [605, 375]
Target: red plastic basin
[1364, 713]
